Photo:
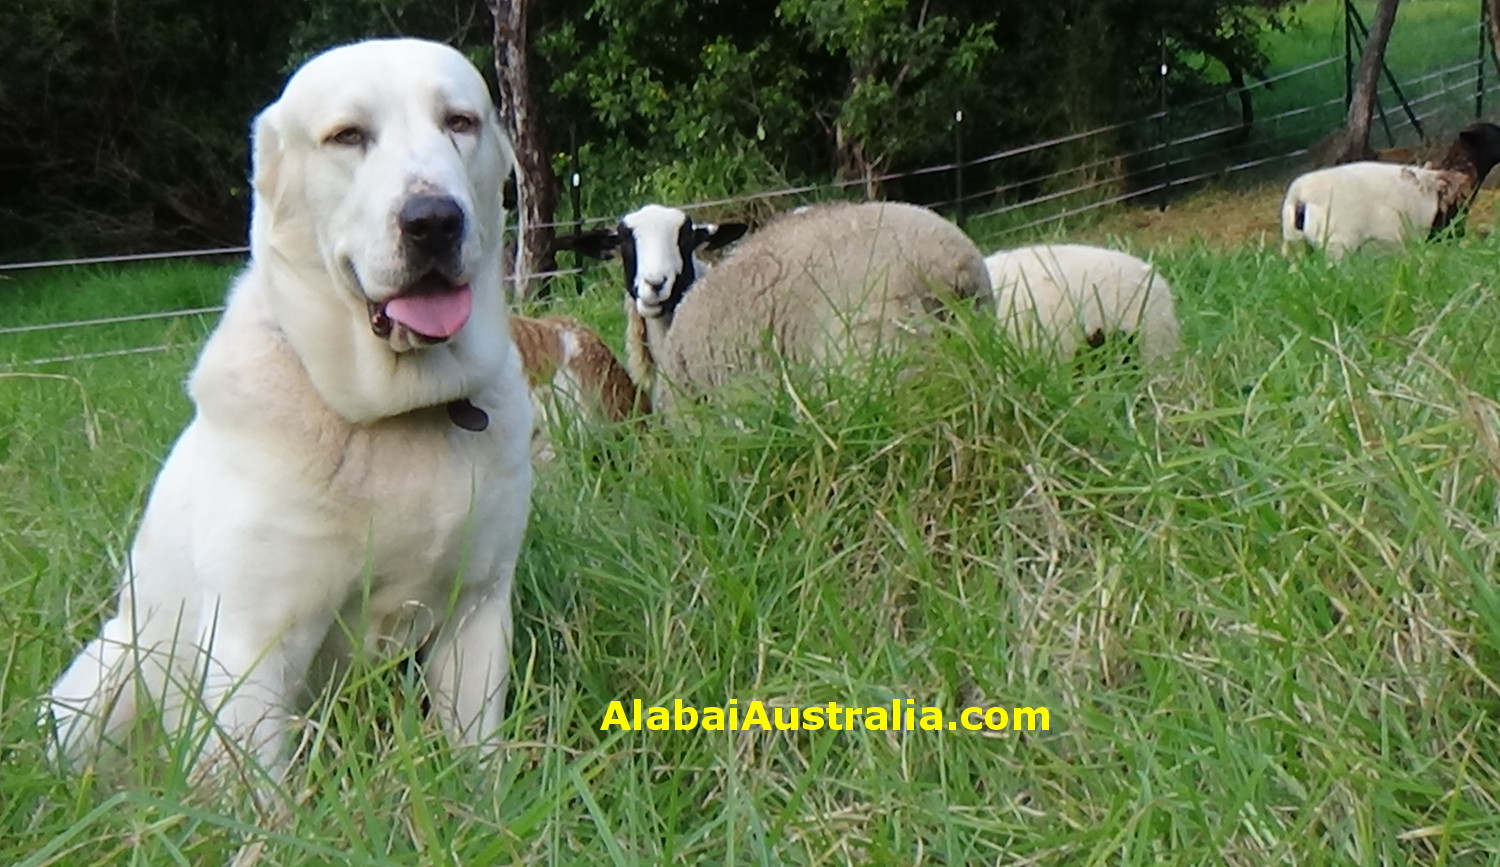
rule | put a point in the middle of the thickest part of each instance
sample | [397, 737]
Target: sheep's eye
[462, 123]
[349, 136]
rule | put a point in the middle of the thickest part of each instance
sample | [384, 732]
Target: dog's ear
[265, 161]
[597, 243]
[712, 236]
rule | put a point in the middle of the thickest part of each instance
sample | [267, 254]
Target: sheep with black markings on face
[826, 283]
[658, 248]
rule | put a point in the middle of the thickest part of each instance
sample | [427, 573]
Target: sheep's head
[1476, 151]
[656, 246]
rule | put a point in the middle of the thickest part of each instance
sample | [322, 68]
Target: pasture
[1254, 588]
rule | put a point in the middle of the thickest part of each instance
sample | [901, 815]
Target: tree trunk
[1492, 17]
[1247, 104]
[1354, 142]
[536, 184]
[853, 166]
[853, 163]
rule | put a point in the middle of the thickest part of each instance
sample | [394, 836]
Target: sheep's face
[656, 246]
[656, 249]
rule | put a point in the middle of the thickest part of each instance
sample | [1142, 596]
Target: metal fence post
[575, 181]
[1348, 53]
[1161, 130]
[958, 165]
[1484, 38]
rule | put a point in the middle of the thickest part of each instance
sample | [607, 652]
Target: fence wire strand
[108, 353]
[109, 320]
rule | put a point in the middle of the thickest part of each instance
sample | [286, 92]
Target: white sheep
[574, 376]
[1342, 207]
[823, 284]
[1056, 296]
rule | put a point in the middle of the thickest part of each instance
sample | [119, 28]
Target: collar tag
[468, 416]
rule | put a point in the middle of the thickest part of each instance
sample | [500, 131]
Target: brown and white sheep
[573, 376]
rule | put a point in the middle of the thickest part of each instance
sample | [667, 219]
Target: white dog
[357, 471]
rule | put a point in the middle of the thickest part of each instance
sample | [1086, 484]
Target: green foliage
[322, 23]
[859, 87]
[115, 124]
[123, 131]
[670, 78]
[124, 126]
[907, 72]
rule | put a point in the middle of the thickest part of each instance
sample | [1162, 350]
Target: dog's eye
[461, 123]
[349, 136]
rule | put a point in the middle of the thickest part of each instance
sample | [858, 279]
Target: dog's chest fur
[416, 506]
[434, 494]
[425, 481]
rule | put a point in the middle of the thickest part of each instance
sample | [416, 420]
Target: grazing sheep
[1060, 295]
[1342, 207]
[572, 374]
[823, 283]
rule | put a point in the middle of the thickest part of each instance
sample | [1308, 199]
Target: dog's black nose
[433, 225]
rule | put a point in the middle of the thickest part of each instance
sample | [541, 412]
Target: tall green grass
[1254, 587]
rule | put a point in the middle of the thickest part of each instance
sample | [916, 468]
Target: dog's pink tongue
[436, 314]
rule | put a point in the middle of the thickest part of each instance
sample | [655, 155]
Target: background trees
[122, 126]
[1354, 142]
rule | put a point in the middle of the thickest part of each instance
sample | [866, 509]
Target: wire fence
[834, 186]
[109, 320]
[89, 356]
[1047, 198]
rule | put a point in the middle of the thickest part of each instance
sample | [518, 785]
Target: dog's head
[381, 166]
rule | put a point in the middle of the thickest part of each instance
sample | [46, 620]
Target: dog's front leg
[256, 661]
[469, 665]
[94, 700]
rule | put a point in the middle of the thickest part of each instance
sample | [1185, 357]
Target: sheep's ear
[712, 236]
[265, 162]
[596, 243]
